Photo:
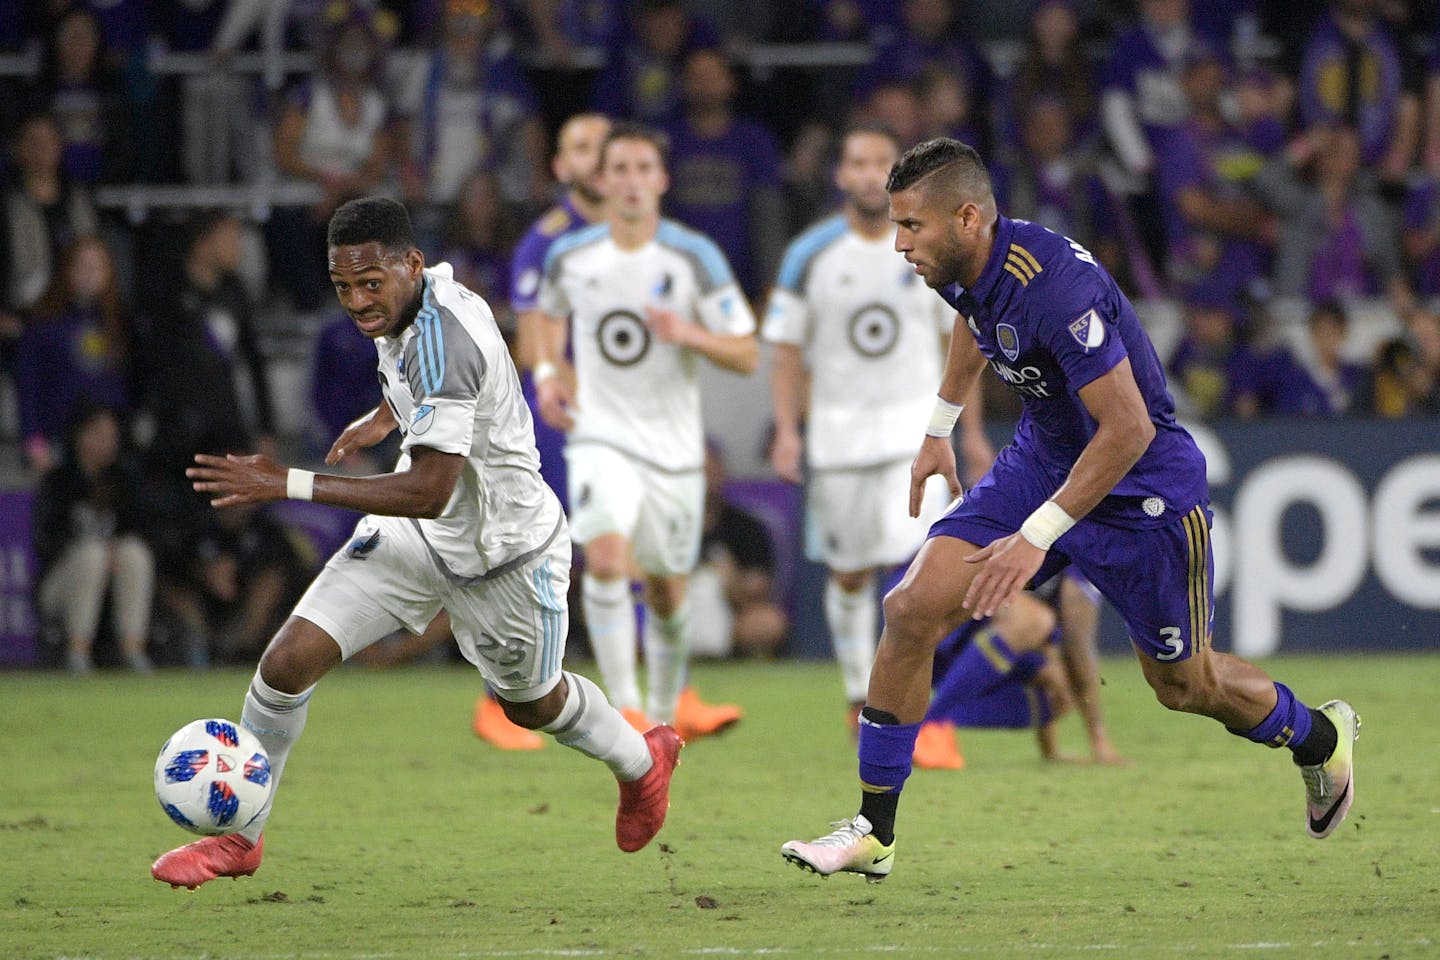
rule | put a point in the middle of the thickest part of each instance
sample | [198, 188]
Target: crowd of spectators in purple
[1224, 157]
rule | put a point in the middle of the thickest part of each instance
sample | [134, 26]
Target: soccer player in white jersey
[849, 315]
[646, 300]
[463, 524]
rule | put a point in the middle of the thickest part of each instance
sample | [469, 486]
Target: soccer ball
[212, 777]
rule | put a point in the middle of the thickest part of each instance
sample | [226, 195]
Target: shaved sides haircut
[942, 164]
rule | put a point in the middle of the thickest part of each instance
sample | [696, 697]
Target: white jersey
[635, 393]
[871, 331]
[449, 380]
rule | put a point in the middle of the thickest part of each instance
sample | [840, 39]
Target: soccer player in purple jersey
[1099, 475]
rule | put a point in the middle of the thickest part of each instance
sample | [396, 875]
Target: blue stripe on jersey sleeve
[430, 345]
[699, 246]
[570, 241]
[805, 248]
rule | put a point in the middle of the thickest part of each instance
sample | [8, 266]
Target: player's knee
[851, 581]
[910, 615]
[534, 714]
[298, 656]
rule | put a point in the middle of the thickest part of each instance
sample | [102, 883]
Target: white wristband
[544, 370]
[300, 484]
[1046, 525]
[943, 417]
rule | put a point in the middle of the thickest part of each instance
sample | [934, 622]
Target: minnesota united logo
[1008, 339]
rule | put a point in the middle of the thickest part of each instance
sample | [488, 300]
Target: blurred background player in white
[464, 524]
[646, 300]
[576, 167]
[852, 322]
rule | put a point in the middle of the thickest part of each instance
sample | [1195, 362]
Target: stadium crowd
[1261, 176]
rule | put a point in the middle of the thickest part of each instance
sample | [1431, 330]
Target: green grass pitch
[398, 835]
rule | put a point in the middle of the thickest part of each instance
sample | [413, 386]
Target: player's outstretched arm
[362, 433]
[422, 491]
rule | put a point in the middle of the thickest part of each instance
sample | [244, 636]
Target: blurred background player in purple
[87, 537]
[725, 171]
[1022, 669]
[1320, 381]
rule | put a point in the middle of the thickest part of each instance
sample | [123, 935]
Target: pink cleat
[643, 802]
[205, 859]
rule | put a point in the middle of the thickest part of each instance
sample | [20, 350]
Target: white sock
[610, 618]
[851, 618]
[667, 659]
[588, 723]
[277, 719]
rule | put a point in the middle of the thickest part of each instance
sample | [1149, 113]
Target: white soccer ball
[212, 777]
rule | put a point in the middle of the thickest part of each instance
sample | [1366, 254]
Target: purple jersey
[529, 258]
[1050, 320]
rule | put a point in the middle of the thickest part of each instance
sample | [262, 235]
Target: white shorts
[860, 519]
[659, 512]
[510, 623]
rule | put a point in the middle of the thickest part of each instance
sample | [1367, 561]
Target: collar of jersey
[1004, 229]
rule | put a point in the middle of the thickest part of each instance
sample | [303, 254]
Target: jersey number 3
[1170, 636]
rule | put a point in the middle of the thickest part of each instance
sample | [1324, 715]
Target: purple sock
[886, 749]
[1287, 725]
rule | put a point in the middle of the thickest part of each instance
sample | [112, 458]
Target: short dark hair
[969, 177]
[372, 220]
[629, 130]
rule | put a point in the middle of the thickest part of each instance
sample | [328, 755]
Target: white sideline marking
[1023, 949]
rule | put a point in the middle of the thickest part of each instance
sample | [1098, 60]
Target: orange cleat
[643, 802]
[637, 719]
[205, 859]
[694, 718]
[852, 719]
[492, 726]
[936, 749]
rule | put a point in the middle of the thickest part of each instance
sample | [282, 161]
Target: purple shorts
[1160, 579]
